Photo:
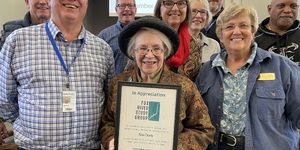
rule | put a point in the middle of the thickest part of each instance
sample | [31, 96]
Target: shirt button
[273, 94]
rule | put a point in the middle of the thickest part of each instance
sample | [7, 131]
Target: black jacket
[210, 31]
[286, 44]
[11, 26]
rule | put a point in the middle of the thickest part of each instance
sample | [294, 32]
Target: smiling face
[148, 64]
[237, 34]
[283, 13]
[39, 10]
[72, 11]
[125, 15]
[174, 16]
[199, 19]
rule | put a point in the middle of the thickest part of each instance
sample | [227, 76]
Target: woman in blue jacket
[252, 95]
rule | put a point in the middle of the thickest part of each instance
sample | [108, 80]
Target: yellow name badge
[266, 76]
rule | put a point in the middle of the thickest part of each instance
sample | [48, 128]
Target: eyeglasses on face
[144, 50]
[202, 12]
[231, 27]
[123, 6]
[170, 4]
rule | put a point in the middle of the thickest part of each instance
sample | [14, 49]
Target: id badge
[68, 101]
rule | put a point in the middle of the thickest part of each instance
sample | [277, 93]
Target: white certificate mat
[147, 116]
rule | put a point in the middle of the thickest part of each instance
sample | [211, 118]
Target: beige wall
[12, 10]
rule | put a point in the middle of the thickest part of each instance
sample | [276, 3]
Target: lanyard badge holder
[68, 96]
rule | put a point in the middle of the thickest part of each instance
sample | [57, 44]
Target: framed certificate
[147, 116]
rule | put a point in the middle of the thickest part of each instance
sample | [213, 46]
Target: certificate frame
[147, 116]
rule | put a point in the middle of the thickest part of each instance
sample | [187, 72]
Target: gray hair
[206, 5]
[233, 10]
[131, 45]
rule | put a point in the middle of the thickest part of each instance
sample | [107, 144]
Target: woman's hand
[3, 132]
[111, 145]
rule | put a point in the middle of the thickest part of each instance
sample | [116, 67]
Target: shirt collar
[55, 31]
[155, 79]
[220, 59]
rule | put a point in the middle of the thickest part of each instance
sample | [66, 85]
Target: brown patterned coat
[195, 128]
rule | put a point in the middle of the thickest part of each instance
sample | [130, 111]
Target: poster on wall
[147, 116]
[144, 7]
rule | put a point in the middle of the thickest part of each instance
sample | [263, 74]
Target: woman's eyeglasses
[170, 4]
[144, 50]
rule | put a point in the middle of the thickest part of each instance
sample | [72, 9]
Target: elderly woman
[177, 14]
[201, 47]
[252, 95]
[195, 129]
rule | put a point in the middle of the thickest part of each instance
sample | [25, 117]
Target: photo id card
[68, 101]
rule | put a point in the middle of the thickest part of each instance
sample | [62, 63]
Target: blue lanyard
[211, 24]
[58, 53]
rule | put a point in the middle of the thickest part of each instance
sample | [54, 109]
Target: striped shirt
[32, 80]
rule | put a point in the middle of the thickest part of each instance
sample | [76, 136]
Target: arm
[197, 130]
[107, 128]
[293, 96]
[8, 84]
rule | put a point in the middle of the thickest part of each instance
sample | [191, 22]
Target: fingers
[111, 145]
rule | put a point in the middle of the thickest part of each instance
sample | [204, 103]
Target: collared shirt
[210, 47]
[32, 80]
[110, 35]
[234, 105]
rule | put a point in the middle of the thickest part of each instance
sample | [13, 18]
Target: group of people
[234, 98]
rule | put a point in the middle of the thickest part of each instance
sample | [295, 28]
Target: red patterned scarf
[184, 48]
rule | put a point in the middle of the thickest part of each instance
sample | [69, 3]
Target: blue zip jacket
[273, 106]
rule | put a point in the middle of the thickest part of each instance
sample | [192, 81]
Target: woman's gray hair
[206, 5]
[167, 46]
[233, 10]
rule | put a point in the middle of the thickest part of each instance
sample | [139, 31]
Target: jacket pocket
[270, 103]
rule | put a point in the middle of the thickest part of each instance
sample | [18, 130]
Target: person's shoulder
[92, 37]
[13, 22]
[109, 30]
[124, 76]
[10, 26]
[274, 58]
[180, 79]
[211, 41]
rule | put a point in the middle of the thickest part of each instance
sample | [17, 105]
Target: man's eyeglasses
[231, 27]
[144, 50]
[123, 6]
[202, 12]
[170, 4]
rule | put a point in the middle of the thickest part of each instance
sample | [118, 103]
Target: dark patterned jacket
[195, 128]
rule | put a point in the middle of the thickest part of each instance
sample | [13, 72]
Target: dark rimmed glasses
[123, 6]
[202, 12]
[170, 4]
